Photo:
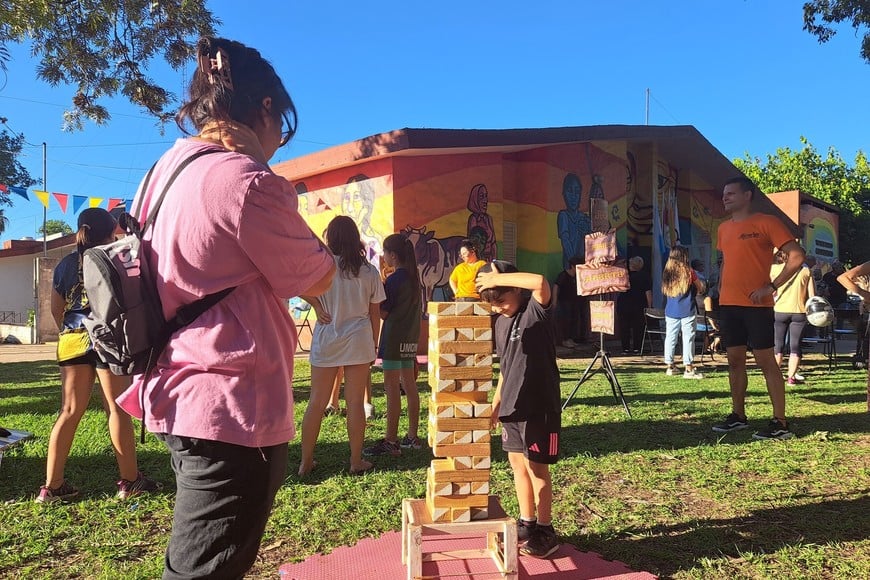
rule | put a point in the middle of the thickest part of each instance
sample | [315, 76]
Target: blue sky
[742, 71]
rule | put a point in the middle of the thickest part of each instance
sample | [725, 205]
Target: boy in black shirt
[526, 400]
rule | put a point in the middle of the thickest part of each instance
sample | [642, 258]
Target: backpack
[126, 323]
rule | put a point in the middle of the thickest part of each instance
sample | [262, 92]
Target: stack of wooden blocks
[460, 375]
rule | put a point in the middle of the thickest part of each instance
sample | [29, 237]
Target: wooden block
[445, 410]
[459, 424]
[452, 450]
[479, 436]
[445, 308]
[462, 410]
[482, 309]
[440, 515]
[442, 334]
[461, 346]
[442, 488]
[482, 462]
[478, 373]
[430, 438]
[441, 385]
[443, 471]
[464, 334]
[461, 514]
[441, 321]
[479, 513]
[464, 487]
[465, 386]
[482, 360]
[482, 409]
[462, 438]
[447, 360]
[483, 334]
[464, 309]
[441, 437]
[478, 487]
[461, 462]
[474, 397]
[483, 385]
[460, 501]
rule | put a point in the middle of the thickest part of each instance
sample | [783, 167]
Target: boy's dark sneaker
[774, 430]
[732, 422]
[542, 542]
[524, 530]
[64, 492]
[142, 484]
[383, 447]
[410, 443]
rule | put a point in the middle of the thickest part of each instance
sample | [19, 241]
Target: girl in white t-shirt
[346, 335]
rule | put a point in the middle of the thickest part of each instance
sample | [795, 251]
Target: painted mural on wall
[572, 224]
[366, 200]
[480, 229]
[436, 258]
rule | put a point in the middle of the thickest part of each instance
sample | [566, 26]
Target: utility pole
[44, 207]
[646, 115]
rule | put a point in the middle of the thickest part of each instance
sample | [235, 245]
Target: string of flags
[63, 199]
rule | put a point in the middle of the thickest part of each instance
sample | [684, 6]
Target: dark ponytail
[229, 83]
[404, 250]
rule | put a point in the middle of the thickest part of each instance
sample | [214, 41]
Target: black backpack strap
[190, 312]
[152, 213]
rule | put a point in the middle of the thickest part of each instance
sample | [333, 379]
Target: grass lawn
[660, 492]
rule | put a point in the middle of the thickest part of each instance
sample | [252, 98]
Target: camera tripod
[607, 367]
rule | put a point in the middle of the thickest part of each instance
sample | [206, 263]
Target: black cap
[100, 223]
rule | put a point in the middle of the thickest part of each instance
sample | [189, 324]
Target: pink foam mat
[381, 559]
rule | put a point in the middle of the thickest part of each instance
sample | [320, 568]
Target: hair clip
[217, 69]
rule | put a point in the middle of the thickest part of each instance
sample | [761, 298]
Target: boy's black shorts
[536, 439]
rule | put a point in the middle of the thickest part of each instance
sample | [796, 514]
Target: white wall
[16, 280]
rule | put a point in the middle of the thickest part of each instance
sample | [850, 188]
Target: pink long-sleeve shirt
[227, 221]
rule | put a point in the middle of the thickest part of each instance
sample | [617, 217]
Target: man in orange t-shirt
[747, 242]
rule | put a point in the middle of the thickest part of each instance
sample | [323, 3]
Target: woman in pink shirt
[220, 396]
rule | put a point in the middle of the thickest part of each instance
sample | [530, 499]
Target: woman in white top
[346, 335]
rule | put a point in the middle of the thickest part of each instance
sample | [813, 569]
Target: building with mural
[523, 195]
[819, 222]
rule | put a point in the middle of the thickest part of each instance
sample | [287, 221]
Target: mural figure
[358, 202]
[302, 198]
[436, 258]
[640, 208]
[480, 229]
[571, 223]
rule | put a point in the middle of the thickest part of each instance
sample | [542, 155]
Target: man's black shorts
[747, 326]
[537, 440]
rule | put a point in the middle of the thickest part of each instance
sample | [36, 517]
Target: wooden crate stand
[417, 523]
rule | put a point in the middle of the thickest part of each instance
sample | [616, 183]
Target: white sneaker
[798, 378]
[692, 374]
[369, 410]
[671, 371]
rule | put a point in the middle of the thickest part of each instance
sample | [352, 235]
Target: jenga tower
[460, 374]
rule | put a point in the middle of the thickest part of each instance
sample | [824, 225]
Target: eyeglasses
[288, 129]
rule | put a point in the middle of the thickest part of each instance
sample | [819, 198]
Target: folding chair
[654, 324]
[710, 331]
[827, 337]
[301, 310]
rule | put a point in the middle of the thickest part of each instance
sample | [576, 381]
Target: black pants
[631, 323]
[225, 494]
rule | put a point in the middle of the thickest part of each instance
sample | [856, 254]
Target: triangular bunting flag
[113, 203]
[78, 200]
[61, 198]
[128, 205]
[3, 187]
[95, 201]
[19, 191]
[41, 196]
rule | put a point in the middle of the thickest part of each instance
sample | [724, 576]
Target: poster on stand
[602, 316]
[594, 279]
